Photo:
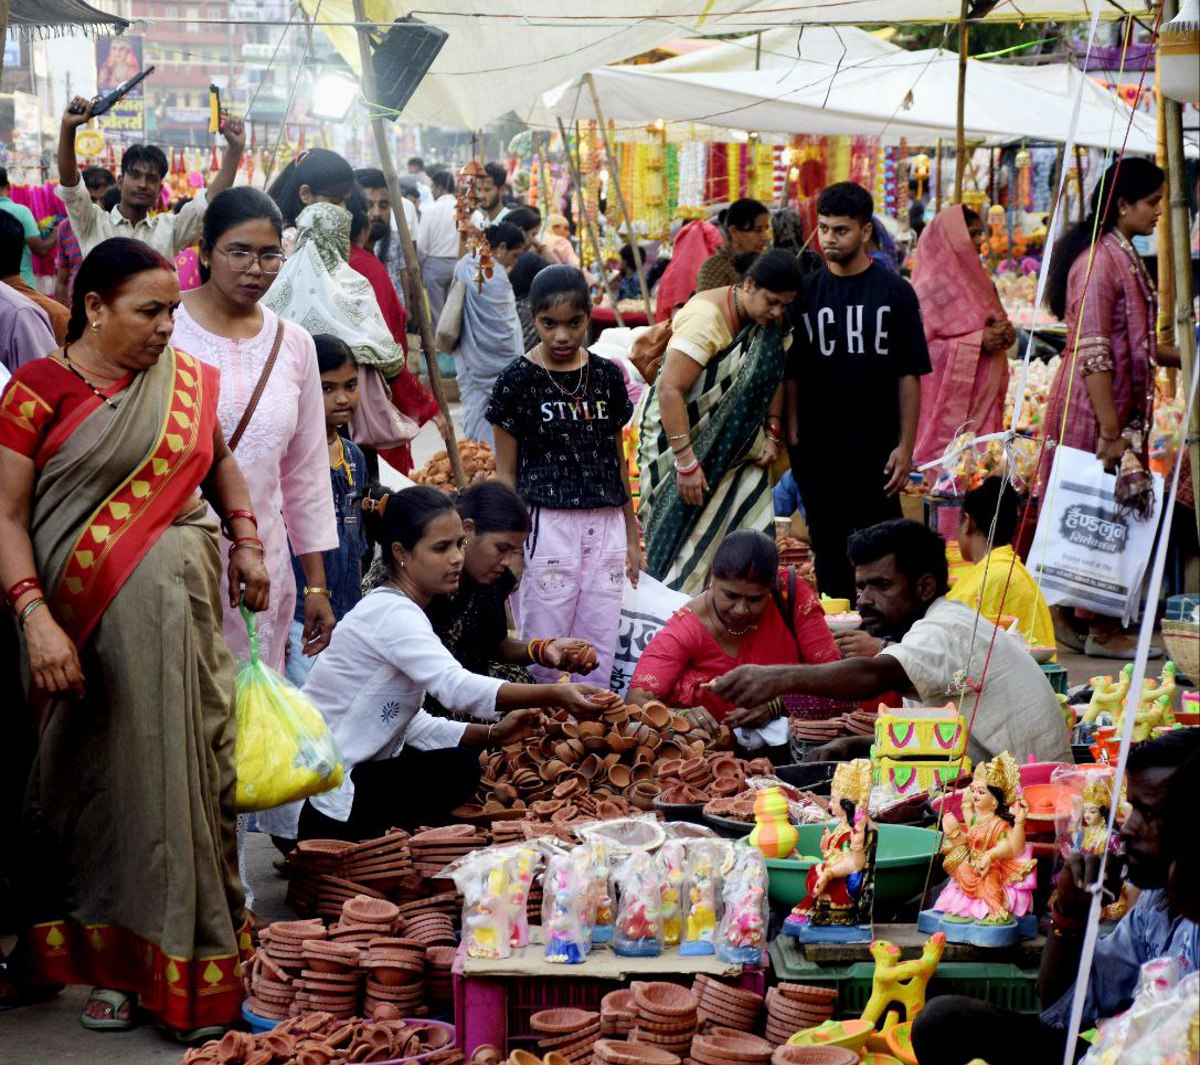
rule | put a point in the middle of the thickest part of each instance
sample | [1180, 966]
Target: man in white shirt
[491, 189]
[384, 239]
[942, 651]
[440, 243]
[143, 170]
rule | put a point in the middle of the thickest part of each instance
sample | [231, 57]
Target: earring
[95, 327]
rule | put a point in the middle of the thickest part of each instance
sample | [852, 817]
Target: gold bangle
[316, 590]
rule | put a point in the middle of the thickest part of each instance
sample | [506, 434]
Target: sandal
[196, 1036]
[117, 1010]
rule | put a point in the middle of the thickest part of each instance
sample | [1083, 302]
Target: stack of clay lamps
[815, 1055]
[793, 1007]
[448, 903]
[439, 980]
[853, 723]
[667, 1016]
[717, 774]
[430, 929]
[617, 1052]
[435, 848]
[324, 873]
[726, 1005]
[730, 1048]
[568, 1032]
[395, 976]
[320, 1038]
[272, 973]
[618, 1014]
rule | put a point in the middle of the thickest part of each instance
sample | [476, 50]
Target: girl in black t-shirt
[558, 413]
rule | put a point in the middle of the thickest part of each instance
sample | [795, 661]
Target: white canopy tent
[501, 54]
[893, 95]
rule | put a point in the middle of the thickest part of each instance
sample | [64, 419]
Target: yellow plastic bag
[284, 750]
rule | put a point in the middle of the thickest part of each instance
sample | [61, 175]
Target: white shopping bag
[644, 610]
[1086, 552]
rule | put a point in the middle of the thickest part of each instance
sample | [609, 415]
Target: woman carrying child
[558, 413]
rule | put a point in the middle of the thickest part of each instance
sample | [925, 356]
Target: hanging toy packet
[672, 860]
[702, 883]
[600, 905]
[638, 932]
[487, 925]
[742, 935]
[564, 899]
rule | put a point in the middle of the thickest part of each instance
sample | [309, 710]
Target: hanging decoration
[466, 201]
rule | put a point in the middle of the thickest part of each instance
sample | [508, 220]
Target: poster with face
[117, 60]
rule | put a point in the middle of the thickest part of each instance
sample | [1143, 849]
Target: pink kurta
[283, 456]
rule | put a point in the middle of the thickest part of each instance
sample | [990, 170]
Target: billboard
[117, 60]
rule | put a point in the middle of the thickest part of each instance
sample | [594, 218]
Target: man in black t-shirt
[853, 386]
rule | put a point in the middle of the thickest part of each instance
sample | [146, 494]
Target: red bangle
[29, 584]
[248, 515]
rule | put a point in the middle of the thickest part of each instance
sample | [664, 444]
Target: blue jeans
[296, 666]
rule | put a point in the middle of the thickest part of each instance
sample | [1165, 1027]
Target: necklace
[739, 633]
[76, 371]
[580, 389]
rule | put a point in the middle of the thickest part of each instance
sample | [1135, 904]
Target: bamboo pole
[616, 184]
[588, 224]
[1081, 208]
[937, 177]
[1185, 322]
[1163, 235]
[418, 307]
[960, 137]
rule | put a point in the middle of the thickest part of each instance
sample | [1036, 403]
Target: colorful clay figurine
[671, 868]
[742, 935]
[1108, 696]
[992, 870]
[564, 897]
[523, 868]
[1090, 833]
[900, 983]
[1155, 707]
[773, 834]
[600, 908]
[919, 749]
[839, 889]
[638, 931]
[487, 922]
[701, 922]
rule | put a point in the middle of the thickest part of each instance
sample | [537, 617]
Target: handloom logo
[1094, 529]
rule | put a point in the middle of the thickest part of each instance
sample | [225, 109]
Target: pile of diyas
[793, 1007]
[478, 462]
[725, 1005]
[320, 1038]
[853, 723]
[667, 1016]
[714, 774]
[566, 1032]
[324, 873]
[436, 848]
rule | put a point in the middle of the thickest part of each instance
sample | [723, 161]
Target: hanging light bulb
[1179, 54]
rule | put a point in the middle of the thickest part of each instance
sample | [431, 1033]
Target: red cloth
[694, 243]
[385, 293]
[966, 390]
[683, 655]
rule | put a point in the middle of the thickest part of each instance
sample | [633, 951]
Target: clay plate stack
[730, 1049]
[435, 848]
[726, 1005]
[272, 973]
[667, 1016]
[325, 873]
[618, 1014]
[793, 1007]
[395, 976]
[616, 1052]
[439, 984]
[571, 1033]
[789, 1055]
[384, 864]
[432, 928]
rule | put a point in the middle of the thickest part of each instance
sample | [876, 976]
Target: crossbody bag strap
[261, 384]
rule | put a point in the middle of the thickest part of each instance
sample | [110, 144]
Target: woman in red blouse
[743, 617]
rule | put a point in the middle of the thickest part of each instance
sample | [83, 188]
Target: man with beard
[383, 238]
[935, 651]
[952, 1030]
[490, 190]
[852, 384]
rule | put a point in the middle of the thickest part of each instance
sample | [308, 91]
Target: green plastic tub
[901, 864]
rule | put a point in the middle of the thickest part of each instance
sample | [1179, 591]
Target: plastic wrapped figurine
[839, 889]
[703, 876]
[742, 936]
[1159, 1028]
[487, 911]
[523, 867]
[671, 869]
[564, 899]
[991, 868]
[600, 908]
[1090, 835]
[638, 931]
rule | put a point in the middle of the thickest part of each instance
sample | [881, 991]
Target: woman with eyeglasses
[746, 224]
[276, 432]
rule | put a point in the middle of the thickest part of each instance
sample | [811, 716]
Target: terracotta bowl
[618, 1052]
[560, 1021]
[620, 775]
[659, 996]
[656, 715]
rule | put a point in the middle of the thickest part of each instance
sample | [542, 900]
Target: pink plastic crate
[496, 1010]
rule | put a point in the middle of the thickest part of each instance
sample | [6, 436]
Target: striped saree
[726, 409]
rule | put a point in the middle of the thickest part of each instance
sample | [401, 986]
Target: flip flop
[114, 1003]
[196, 1036]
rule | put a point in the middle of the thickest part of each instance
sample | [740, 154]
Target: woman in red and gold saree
[1102, 399]
[111, 565]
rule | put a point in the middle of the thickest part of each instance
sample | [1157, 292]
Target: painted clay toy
[742, 935]
[703, 879]
[773, 834]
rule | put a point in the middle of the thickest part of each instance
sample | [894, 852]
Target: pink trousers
[573, 582]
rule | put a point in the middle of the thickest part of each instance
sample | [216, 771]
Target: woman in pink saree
[968, 334]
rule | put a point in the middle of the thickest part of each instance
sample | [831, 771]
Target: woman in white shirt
[403, 766]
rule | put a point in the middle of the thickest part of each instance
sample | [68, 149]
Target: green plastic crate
[999, 984]
[1057, 676]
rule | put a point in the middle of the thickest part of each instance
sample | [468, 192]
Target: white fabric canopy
[503, 53]
[898, 94]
